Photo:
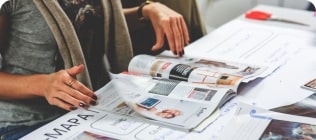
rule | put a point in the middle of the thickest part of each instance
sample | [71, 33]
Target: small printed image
[248, 71]
[202, 94]
[85, 135]
[285, 130]
[148, 103]
[164, 86]
[229, 80]
[181, 72]
[310, 85]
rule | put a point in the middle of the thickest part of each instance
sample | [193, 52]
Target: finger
[79, 96]
[73, 71]
[181, 38]
[74, 84]
[70, 98]
[61, 104]
[169, 35]
[159, 39]
[176, 35]
[185, 32]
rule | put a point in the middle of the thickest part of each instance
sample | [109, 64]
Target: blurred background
[217, 12]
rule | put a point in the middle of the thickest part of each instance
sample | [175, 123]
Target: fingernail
[93, 103]
[182, 52]
[82, 105]
[94, 97]
[174, 52]
[73, 108]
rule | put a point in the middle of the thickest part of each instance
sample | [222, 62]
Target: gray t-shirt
[31, 48]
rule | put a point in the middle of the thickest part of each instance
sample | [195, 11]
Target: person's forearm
[20, 86]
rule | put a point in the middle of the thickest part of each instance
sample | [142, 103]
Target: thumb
[75, 70]
[159, 40]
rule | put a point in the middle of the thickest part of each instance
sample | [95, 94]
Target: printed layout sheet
[252, 123]
[251, 43]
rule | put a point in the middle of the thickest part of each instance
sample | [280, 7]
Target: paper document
[252, 123]
[250, 43]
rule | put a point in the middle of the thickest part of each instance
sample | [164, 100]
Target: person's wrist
[140, 13]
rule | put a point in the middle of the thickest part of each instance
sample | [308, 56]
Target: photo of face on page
[174, 111]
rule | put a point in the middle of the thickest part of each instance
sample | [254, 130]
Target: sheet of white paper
[252, 123]
[283, 86]
[251, 43]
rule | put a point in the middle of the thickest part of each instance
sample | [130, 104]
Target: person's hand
[64, 91]
[169, 23]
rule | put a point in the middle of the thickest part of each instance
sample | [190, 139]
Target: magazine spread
[171, 103]
[177, 92]
[214, 73]
[180, 93]
[268, 125]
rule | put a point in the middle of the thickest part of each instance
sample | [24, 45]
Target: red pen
[260, 15]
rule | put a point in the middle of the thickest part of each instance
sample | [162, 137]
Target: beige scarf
[118, 47]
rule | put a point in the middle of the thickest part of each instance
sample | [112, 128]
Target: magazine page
[179, 105]
[194, 70]
[305, 107]
[268, 125]
[310, 85]
[247, 71]
[206, 94]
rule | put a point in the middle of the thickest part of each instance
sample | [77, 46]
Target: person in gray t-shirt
[35, 86]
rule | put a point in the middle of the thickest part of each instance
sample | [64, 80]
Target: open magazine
[214, 73]
[252, 123]
[170, 103]
[177, 92]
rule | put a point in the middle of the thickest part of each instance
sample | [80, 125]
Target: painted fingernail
[94, 97]
[174, 52]
[182, 52]
[82, 105]
[73, 108]
[93, 103]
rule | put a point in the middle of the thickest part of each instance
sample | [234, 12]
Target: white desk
[283, 84]
[280, 88]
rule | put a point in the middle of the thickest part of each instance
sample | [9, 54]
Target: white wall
[217, 12]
